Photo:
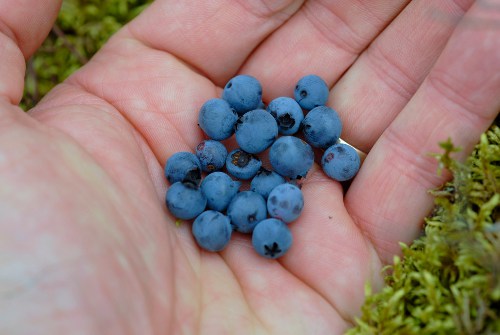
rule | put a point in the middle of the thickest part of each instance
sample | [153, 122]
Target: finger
[27, 22]
[385, 77]
[459, 99]
[158, 92]
[324, 37]
[66, 225]
[213, 36]
[329, 253]
[23, 27]
[142, 89]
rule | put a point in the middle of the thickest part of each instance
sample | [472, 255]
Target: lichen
[448, 280]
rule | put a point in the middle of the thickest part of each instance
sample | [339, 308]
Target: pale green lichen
[448, 280]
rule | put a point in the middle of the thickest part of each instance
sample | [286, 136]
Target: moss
[448, 280]
[82, 27]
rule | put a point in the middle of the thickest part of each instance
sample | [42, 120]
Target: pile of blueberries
[274, 198]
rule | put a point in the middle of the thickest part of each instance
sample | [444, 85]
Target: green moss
[82, 27]
[448, 280]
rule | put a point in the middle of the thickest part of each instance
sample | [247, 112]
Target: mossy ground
[448, 280]
[82, 27]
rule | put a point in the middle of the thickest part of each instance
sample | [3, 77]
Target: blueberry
[212, 230]
[265, 181]
[285, 202]
[271, 238]
[287, 113]
[246, 210]
[340, 162]
[242, 165]
[256, 131]
[243, 93]
[291, 157]
[185, 200]
[311, 91]
[219, 189]
[322, 127]
[183, 166]
[217, 119]
[211, 154]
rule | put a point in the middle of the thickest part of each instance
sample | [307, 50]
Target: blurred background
[82, 27]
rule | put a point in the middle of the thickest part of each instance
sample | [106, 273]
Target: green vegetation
[448, 281]
[82, 27]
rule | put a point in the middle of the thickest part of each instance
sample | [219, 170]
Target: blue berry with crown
[212, 155]
[242, 165]
[287, 113]
[264, 182]
[340, 162]
[322, 127]
[217, 119]
[219, 189]
[256, 131]
[291, 157]
[272, 238]
[212, 230]
[311, 91]
[185, 200]
[183, 166]
[243, 93]
[285, 202]
[246, 210]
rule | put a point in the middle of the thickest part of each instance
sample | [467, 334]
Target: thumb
[24, 24]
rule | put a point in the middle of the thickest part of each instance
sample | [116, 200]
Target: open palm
[86, 243]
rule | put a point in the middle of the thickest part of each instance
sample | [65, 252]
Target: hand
[87, 245]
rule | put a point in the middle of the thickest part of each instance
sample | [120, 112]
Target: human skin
[86, 243]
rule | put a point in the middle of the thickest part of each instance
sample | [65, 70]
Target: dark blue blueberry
[311, 91]
[185, 200]
[271, 238]
[243, 93]
[183, 166]
[256, 131]
[212, 155]
[212, 230]
[285, 202]
[287, 113]
[217, 119]
[340, 162]
[322, 127]
[246, 210]
[265, 181]
[291, 157]
[242, 165]
[219, 189]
